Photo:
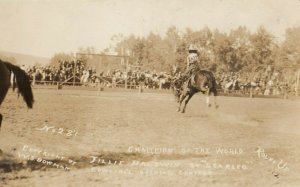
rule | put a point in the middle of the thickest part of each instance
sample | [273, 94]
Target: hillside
[22, 59]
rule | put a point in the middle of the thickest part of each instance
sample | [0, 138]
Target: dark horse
[21, 80]
[203, 81]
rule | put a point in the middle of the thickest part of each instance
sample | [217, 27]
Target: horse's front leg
[186, 101]
[181, 98]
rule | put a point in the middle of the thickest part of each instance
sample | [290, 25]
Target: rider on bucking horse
[192, 64]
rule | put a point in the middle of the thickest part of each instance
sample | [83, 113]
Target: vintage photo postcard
[149, 93]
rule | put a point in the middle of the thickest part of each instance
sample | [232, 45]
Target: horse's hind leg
[208, 101]
[207, 98]
[215, 99]
[186, 102]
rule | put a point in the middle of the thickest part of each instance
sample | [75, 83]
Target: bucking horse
[201, 81]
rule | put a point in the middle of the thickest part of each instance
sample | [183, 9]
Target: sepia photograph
[149, 93]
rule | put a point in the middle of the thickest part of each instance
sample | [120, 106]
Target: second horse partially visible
[21, 80]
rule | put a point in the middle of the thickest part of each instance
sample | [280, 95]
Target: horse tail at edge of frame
[22, 81]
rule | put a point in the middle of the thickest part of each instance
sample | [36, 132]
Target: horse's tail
[22, 81]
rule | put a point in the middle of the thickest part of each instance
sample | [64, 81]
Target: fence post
[74, 73]
[297, 83]
[285, 95]
[140, 87]
[59, 85]
[251, 92]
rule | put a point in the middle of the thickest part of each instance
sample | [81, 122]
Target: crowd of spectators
[133, 79]
[66, 71]
[263, 81]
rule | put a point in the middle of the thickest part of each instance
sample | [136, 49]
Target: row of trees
[238, 50]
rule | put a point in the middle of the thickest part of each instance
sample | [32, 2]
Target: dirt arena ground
[89, 138]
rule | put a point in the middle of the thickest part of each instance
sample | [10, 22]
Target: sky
[45, 27]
